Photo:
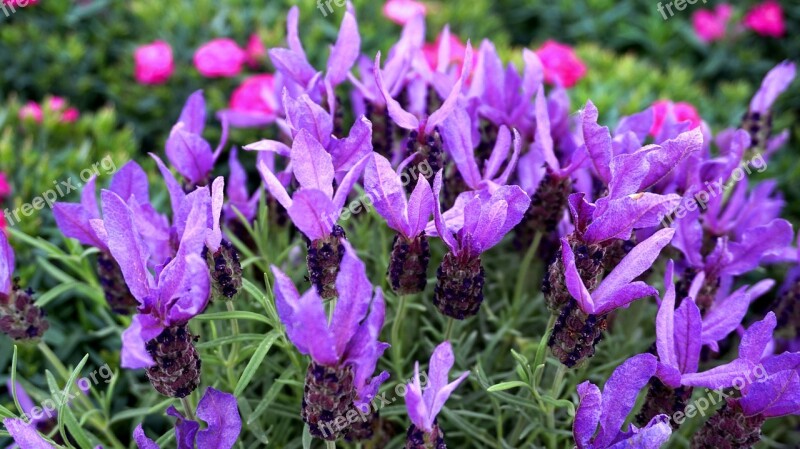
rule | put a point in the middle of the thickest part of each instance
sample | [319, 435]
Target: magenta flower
[217, 409]
[187, 151]
[5, 187]
[610, 409]
[153, 63]
[766, 19]
[424, 406]
[344, 351]
[255, 51]
[253, 104]
[402, 11]
[710, 24]
[220, 57]
[561, 65]
[447, 46]
[677, 111]
[31, 111]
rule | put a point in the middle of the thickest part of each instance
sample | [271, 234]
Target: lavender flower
[186, 149]
[217, 409]
[408, 265]
[158, 338]
[239, 200]
[424, 406]
[82, 222]
[20, 319]
[25, 434]
[758, 119]
[314, 208]
[344, 353]
[610, 409]
[582, 319]
[480, 222]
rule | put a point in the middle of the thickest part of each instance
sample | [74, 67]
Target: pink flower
[153, 63]
[219, 58]
[5, 188]
[255, 51]
[56, 103]
[31, 110]
[402, 11]
[766, 19]
[255, 94]
[682, 112]
[561, 64]
[457, 51]
[70, 115]
[709, 24]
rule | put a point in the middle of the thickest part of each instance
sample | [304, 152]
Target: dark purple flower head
[409, 217]
[458, 142]
[351, 338]
[314, 208]
[479, 219]
[610, 409]
[293, 63]
[6, 265]
[775, 83]
[179, 287]
[217, 409]
[82, 221]
[424, 406]
[682, 332]
[187, 151]
[618, 288]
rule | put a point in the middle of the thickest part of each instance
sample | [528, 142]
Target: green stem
[233, 357]
[449, 331]
[187, 409]
[397, 351]
[522, 275]
[330, 445]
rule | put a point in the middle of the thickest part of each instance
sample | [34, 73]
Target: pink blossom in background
[59, 105]
[710, 24]
[766, 19]
[219, 58]
[401, 11]
[153, 63]
[5, 188]
[56, 103]
[457, 51]
[31, 110]
[561, 64]
[70, 115]
[255, 51]
[255, 94]
[682, 111]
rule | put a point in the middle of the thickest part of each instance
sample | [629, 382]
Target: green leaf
[255, 362]
[52, 294]
[236, 315]
[306, 437]
[508, 385]
[66, 416]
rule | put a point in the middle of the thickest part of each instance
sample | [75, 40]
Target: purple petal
[141, 439]
[348, 182]
[624, 296]
[193, 292]
[305, 320]
[587, 416]
[190, 154]
[457, 135]
[665, 322]
[722, 376]
[598, 142]
[245, 119]
[499, 152]
[73, 221]
[575, 284]
[25, 435]
[638, 260]
[129, 181]
[652, 436]
[415, 404]
[621, 215]
[126, 245]
[756, 338]
[193, 115]
[221, 412]
[638, 124]
[533, 74]
[386, 191]
[313, 213]
[237, 187]
[757, 243]
[347, 152]
[512, 163]
[441, 225]
[776, 82]
[619, 394]
[364, 349]
[275, 187]
[777, 396]
[447, 108]
[346, 50]
[312, 165]
[399, 115]
[134, 354]
[581, 210]
[513, 202]
[420, 207]
[302, 114]
[176, 193]
[438, 372]
[292, 36]
[272, 146]
[543, 140]
[185, 429]
[355, 293]
[688, 327]
[724, 317]
[292, 64]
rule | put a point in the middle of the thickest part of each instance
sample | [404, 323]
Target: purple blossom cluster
[508, 158]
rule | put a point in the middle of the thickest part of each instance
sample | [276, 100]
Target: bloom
[424, 406]
[402, 11]
[344, 351]
[561, 65]
[254, 103]
[20, 319]
[610, 409]
[219, 58]
[153, 63]
[709, 24]
[217, 409]
[766, 19]
[5, 187]
[680, 112]
[31, 110]
[255, 51]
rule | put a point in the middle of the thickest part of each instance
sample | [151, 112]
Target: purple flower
[351, 338]
[424, 406]
[179, 288]
[217, 409]
[238, 197]
[6, 266]
[20, 319]
[186, 149]
[775, 83]
[25, 434]
[610, 409]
